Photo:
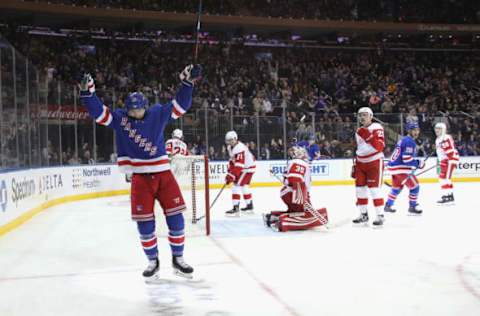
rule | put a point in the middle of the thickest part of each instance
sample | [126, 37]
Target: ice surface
[84, 258]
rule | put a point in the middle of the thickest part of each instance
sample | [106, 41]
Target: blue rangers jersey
[140, 143]
[403, 158]
[312, 150]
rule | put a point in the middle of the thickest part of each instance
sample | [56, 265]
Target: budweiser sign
[64, 112]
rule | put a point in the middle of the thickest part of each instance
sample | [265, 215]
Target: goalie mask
[297, 152]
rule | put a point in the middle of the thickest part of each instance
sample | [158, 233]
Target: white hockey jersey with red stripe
[297, 180]
[446, 149]
[241, 159]
[175, 146]
[373, 149]
[298, 171]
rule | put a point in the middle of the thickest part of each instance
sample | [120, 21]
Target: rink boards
[25, 193]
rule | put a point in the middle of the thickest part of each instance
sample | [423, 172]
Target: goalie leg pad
[299, 222]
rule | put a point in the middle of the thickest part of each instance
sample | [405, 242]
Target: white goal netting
[191, 173]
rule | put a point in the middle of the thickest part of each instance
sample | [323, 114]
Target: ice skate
[414, 210]
[389, 209]
[451, 198]
[378, 222]
[248, 208]
[446, 199]
[152, 268]
[181, 268]
[235, 211]
[275, 226]
[362, 219]
[266, 219]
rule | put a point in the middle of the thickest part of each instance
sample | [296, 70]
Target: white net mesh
[191, 173]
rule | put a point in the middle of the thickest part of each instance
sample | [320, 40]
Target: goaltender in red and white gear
[175, 145]
[368, 166]
[300, 215]
[241, 168]
[448, 158]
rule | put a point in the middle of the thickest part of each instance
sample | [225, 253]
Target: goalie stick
[307, 205]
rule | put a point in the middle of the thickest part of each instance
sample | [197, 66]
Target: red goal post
[192, 175]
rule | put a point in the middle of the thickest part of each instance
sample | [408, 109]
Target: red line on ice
[264, 286]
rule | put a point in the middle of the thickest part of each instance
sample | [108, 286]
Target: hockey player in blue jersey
[311, 147]
[401, 164]
[141, 151]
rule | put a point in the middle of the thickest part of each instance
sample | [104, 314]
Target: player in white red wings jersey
[368, 166]
[175, 145]
[295, 194]
[448, 157]
[241, 168]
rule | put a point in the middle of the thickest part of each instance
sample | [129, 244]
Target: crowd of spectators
[452, 11]
[251, 87]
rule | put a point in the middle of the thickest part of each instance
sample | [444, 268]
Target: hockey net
[191, 173]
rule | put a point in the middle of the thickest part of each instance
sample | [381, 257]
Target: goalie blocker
[295, 194]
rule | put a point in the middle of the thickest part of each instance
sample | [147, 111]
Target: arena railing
[42, 123]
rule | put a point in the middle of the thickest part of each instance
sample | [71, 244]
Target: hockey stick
[307, 205]
[218, 195]
[197, 35]
[316, 214]
[215, 200]
[413, 172]
[276, 176]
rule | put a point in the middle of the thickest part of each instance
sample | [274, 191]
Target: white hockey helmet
[366, 109]
[297, 152]
[440, 129]
[177, 133]
[231, 137]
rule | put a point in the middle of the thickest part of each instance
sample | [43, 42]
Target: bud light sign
[318, 169]
[278, 169]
